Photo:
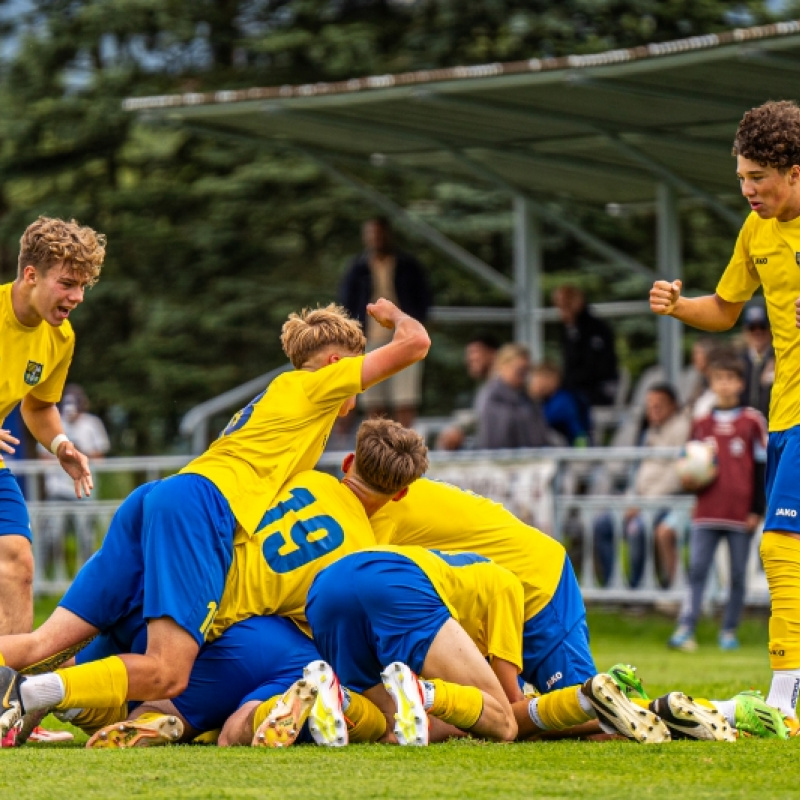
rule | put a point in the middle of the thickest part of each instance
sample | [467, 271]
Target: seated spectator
[589, 355]
[758, 356]
[508, 418]
[655, 477]
[563, 412]
[479, 355]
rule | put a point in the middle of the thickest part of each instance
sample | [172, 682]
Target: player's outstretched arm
[708, 313]
[409, 344]
[44, 422]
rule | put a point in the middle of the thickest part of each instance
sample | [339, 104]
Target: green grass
[585, 770]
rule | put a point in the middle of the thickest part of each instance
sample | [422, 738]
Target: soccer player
[313, 520]
[767, 254]
[57, 261]
[375, 613]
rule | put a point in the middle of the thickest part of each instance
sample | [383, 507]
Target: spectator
[731, 506]
[655, 477]
[563, 412]
[695, 393]
[479, 355]
[589, 354]
[508, 417]
[89, 435]
[759, 360]
[383, 271]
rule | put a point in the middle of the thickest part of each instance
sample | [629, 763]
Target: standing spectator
[479, 355]
[563, 412]
[589, 354]
[655, 477]
[89, 435]
[383, 271]
[731, 506]
[759, 360]
[508, 417]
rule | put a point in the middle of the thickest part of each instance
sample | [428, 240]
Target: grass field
[464, 769]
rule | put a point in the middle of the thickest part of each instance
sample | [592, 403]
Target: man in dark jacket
[383, 271]
[588, 350]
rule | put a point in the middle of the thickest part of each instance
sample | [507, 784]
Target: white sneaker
[326, 722]
[411, 719]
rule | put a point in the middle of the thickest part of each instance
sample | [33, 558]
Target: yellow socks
[459, 705]
[781, 557]
[366, 721]
[98, 684]
[90, 720]
[561, 709]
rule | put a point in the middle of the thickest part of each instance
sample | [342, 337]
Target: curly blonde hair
[389, 457]
[50, 241]
[303, 335]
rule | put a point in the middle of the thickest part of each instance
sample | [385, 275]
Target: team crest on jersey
[33, 373]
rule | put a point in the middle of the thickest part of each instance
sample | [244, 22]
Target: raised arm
[409, 344]
[709, 312]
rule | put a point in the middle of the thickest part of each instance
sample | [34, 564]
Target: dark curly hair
[770, 135]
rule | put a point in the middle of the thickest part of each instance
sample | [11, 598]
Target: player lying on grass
[315, 520]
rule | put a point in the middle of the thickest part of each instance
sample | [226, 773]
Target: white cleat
[411, 719]
[617, 713]
[689, 720]
[326, 722]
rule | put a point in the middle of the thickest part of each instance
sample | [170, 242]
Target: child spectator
[563, 411]
[731, 505]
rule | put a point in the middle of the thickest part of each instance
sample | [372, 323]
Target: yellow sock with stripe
[781, 557]
[560, 709]
[90, 720]
[97, 684]
[366, 721]
[459, 705]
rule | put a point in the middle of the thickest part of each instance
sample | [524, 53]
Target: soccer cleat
[282, 725]
[683, 640]
[728, 640]
[792, 726]
[42, 735]
[755, 718]
[411, 719]
[616, 713]
[11, 710]
[687, 719]
[149, 730]
[326, 722]
[624, 676]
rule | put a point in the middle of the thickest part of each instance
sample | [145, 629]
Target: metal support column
[527, 277]
[670, 267]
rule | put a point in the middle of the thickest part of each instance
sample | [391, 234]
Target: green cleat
[755, 718]
[624, 676]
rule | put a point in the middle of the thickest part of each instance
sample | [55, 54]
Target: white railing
[554, 489]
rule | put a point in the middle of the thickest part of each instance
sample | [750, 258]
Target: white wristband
[57, 442]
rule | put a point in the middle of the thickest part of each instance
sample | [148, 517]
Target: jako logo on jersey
[786, 512]
[760, 262]
[555, 679]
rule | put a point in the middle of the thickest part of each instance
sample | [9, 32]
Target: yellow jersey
[484, 598]
[280, 433]
[33, 361]
[438, 515]
[767, 253]
[314, 520]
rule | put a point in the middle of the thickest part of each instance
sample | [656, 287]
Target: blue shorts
[370, 609]
[168, 550]
[14, 518]
[782, 486]
[555, 642]
[253, 660]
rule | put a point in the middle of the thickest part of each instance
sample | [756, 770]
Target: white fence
[555, 489]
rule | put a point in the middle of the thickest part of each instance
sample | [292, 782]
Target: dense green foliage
[212, 244]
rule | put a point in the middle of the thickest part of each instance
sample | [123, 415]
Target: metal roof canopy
[652, 122]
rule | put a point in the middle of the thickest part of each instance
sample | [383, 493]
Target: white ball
[697, 463]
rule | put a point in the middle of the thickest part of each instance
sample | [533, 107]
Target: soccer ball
[697, 463]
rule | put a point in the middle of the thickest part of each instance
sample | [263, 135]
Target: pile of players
[253, 596]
